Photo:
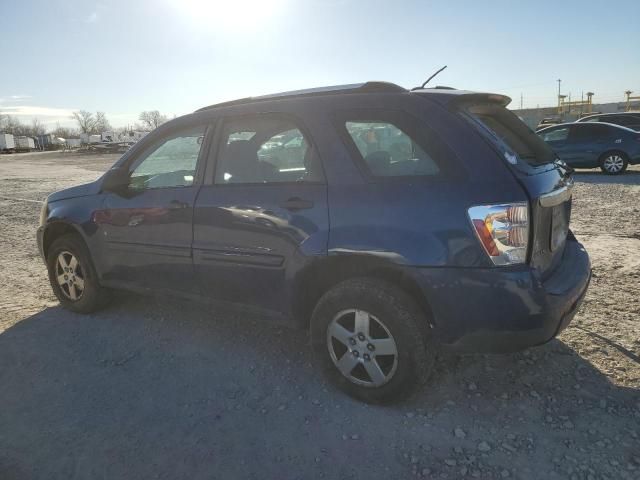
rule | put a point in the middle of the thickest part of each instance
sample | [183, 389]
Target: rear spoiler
[450, 97]
[483, 98]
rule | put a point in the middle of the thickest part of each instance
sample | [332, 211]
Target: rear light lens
[503, 231]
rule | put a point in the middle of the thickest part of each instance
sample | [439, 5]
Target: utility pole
[520, 100]
[559, 82]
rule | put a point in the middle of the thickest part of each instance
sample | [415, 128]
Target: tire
[613, 163]
[392, 315]
[81, 293]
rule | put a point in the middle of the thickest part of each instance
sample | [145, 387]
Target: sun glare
[228, 15]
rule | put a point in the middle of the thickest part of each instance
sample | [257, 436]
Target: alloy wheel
[69, 276]
[362, 348]
[613, 163]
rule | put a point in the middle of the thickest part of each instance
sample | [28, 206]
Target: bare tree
[36, 128]
[101, 123]
[13, 126]
[152, 119]
[65, 132]
[86, 122]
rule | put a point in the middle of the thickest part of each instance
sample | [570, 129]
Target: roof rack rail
[367, 87]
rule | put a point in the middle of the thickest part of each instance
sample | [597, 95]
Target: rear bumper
[503, 309]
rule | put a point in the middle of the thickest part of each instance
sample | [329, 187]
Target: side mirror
[116, 179]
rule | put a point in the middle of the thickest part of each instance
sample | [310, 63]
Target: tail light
[503, 231]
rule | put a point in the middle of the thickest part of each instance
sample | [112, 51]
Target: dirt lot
[156, 389]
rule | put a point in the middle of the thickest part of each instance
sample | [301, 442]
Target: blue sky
[123, 57]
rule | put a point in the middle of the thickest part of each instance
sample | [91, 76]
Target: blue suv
[390, 223]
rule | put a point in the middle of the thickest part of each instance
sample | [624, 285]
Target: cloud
[34, 111]
[14, 98]
[91, 18]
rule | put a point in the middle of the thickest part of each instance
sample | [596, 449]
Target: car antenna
[428, 79]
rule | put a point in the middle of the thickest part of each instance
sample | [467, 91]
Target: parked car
[591, 145]
[356, 212]
[630, 120]
[547, 122]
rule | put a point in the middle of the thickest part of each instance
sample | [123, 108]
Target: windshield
[510, 133]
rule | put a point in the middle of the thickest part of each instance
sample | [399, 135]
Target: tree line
[87, 122]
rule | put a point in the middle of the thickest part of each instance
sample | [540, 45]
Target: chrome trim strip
[556, 197]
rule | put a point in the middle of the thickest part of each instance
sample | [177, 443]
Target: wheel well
[54, 231]
[609, 152]
[316, 280]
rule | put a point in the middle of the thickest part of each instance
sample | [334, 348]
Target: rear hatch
[546, 180]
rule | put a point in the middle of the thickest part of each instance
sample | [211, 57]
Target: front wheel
[371, 340]
[72, 276]
[613, 163]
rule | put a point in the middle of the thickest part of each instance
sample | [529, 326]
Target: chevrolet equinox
[390, 223]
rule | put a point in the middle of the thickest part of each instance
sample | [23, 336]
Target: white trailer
[7, 144]
[24, 144]
[87, 139]
[74, 142]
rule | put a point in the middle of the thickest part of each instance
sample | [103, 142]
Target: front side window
[388, 149]
[555, 135]
[265, 149]
[172, 163]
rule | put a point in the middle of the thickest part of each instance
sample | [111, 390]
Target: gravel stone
[154, 387]
[484, 447]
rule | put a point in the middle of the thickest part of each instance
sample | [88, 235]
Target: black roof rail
[367, 87]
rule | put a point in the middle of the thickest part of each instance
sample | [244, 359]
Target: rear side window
[388, 151]
[393, 144]
[266, 148]
[510, 133]
[589, 132]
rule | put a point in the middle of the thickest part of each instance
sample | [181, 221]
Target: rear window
[510, 133]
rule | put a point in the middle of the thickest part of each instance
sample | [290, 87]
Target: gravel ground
[157, 389]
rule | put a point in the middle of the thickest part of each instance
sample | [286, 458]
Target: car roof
[441, 94]
[568, 124]
[612, 114]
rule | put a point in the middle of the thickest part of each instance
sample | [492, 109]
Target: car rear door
[146, 227]
[262, 214]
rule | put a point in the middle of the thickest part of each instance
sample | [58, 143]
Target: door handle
[177, 204]
[296, 203]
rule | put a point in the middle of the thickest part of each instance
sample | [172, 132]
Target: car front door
[262, 214]
[147, 225]
[558, 139]
[587, 141]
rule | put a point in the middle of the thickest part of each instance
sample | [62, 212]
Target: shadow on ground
[148, 390]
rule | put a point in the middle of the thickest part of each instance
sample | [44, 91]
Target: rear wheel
[72, 276]
[371, 340]
[613, 163]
